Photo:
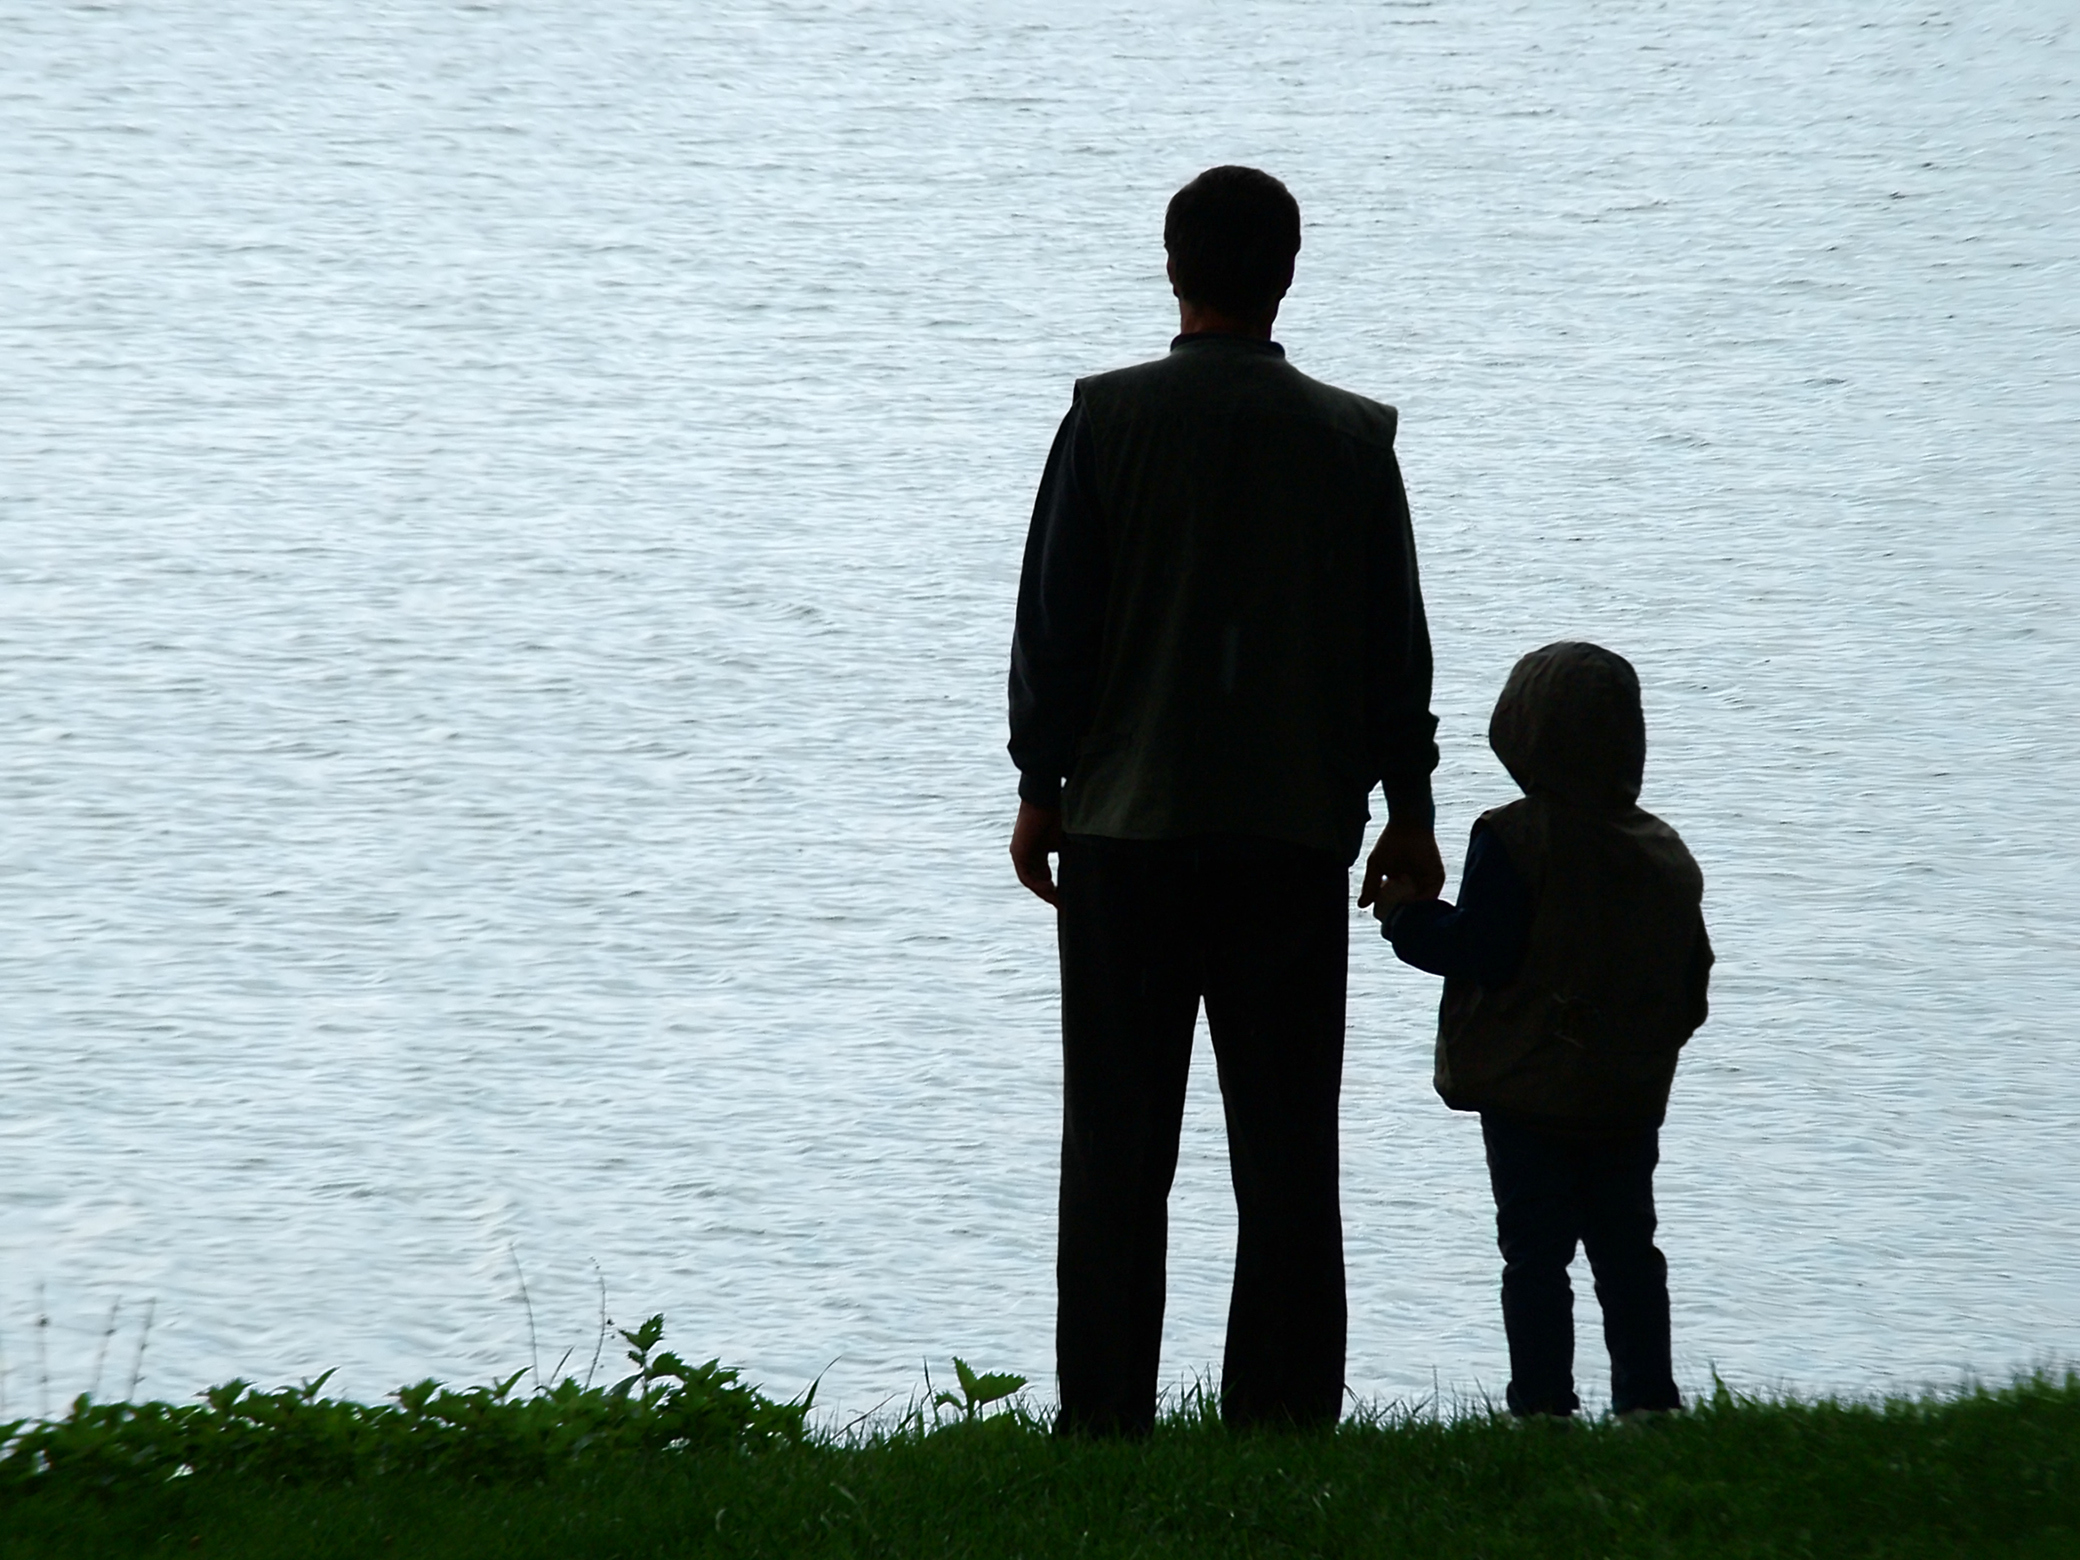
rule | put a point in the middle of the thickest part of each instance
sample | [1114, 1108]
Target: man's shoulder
[1360, 414]
[1113, 383]
[1266, 381]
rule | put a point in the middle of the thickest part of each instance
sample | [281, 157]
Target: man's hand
[1039, 832]
[1404, 863]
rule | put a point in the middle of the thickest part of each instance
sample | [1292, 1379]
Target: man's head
[1232, 234]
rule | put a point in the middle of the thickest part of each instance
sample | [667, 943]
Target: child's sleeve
[1484, 936]
[1700, 977]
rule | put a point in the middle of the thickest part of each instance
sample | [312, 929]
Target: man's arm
[1399, 726]
[1054, 647]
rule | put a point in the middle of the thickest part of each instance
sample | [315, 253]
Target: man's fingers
[1368, 890]
[1032, 868]
[1037, 877]
[1037, 832]
[1428, 874]
[1407, 856]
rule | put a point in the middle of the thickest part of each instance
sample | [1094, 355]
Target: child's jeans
[1550, 1192]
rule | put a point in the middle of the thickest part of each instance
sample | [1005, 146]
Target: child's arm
[1701, 959]
[1483, 937]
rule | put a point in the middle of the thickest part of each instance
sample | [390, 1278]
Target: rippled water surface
[510, 520]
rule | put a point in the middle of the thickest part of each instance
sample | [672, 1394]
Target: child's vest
[1612, 984]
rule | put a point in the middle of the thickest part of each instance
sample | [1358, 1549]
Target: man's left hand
[1406, 858]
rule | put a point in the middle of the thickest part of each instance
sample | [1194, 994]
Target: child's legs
[1615, 1181]
[1535, 1227]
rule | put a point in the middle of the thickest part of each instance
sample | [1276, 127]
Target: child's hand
[1390, 895]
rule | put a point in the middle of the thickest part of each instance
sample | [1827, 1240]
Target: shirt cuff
[1040, 790]
[1411, 915]
[1410, 804]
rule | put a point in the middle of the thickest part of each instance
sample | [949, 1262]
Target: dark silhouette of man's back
[1220, 651]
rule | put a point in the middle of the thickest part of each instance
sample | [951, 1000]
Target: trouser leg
[1275, 930]
[1536, 1230]
[1616, 1182]
[1129, 1001]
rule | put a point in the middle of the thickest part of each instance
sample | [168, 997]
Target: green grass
[1981, 1473]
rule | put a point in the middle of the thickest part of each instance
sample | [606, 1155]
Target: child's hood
[1569, 724]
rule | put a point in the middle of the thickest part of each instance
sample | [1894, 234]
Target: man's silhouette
[1220, 651]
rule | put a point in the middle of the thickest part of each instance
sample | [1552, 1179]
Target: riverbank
[1983, 1472]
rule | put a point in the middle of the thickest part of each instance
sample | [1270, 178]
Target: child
[1575, 965]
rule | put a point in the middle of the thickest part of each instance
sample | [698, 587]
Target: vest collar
[1221, 340]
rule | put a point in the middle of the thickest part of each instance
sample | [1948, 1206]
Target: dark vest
[1239, 498]
[1612, 984]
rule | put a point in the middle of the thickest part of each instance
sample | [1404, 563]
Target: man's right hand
[1405, 860]
[1037, 833]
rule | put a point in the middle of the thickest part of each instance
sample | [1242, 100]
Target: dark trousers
[1148, 930]
[1550, 1192]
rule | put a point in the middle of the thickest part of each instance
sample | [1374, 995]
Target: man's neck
[1195, 319]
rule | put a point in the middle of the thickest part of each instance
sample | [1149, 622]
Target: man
[1220, 650]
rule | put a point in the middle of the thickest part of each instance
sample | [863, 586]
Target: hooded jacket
[1585, 1036]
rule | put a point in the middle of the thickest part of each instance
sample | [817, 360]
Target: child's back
[1576, 966]
[1613, 977]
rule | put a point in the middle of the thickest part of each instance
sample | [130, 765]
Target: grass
[1980, 1473]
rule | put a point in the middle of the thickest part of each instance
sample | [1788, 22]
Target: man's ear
[1170, 270]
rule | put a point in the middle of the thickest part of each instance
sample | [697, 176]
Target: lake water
[511, 515]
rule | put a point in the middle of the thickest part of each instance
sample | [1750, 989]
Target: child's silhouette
[1575, 966]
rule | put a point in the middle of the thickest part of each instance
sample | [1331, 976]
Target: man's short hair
[1232, 234]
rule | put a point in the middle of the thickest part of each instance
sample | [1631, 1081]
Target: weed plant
[485, 1434]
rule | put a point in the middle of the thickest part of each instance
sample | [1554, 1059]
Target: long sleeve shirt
[1061, 617]
[1484, 936]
